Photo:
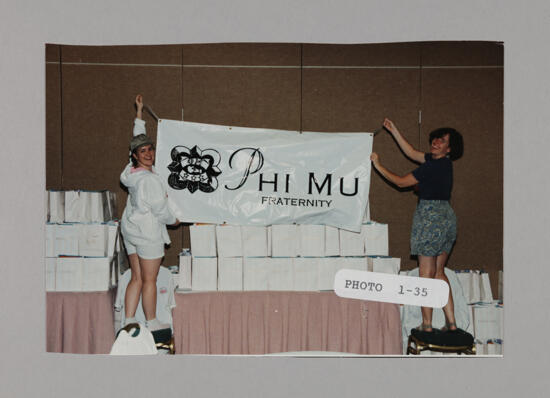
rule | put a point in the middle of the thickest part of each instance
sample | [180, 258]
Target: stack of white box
[82, 241]
[281, 257]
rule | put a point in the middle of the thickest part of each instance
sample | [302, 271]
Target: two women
[143, 224]
[434, 222]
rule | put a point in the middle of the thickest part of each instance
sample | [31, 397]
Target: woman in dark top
[434, 222]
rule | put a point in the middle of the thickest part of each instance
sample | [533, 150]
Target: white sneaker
[154, 325]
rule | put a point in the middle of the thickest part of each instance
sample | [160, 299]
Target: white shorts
[148, 252]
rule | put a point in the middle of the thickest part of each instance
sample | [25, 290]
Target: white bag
[284, 240]
[481, 349]
[475, 285]
[376, 239]
[488, 321]
[485, 293]
[332, 241]
[66, 240]
[96, 274]
[280, 274]
[387, 265]
[56, 206]
[92, 240]
[311, 240]
[254, 241]
[204, 275]
[230, 273]
[305, 272]
[229, 241]
[327, 267]
[494, 347]
[255, 273]
[68, 274]
[138, 341]
[352, 243]
[73, 212]
[95, 203]
[184, 276]
[463, 277]
[203, 240]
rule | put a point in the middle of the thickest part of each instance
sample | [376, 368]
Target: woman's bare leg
[449, 309]
[149, 272]
[133, 290]
[426, 269]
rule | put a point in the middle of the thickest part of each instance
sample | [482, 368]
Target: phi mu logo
[194, 169]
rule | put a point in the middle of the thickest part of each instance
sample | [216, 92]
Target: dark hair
[455, 140]
[134, 152]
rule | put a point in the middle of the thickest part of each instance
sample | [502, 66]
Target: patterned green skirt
[433, 229]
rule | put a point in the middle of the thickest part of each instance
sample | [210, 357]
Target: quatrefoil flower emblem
[194, 169]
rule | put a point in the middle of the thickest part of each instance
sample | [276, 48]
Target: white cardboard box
[332, 241]
[204, 275]
[56, 208]
[184, 275]
[355, 263]
[51, 263]
[203, 240]
[386, 265]
[96, 274]
[284, 240]
[254, 239]
[230, 273]
[93, 240]
[66, 240]
[255, 273]
[352, 243]
[327, 267]
[306, 273]
[68, 275]
[376, 239]
[229, 241]
[312, 240]
[280, 275]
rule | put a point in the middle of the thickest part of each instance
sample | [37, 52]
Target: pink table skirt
[269, 322]
[80, 322]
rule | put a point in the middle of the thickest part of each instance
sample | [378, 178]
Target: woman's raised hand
[139, 102]
[374, 158]
[388, 125]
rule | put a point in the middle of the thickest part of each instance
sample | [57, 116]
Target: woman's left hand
[375, 158]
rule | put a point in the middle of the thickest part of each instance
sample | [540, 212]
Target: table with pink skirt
[247, 323]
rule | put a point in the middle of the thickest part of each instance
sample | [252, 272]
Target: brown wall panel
[471, 100]
[336, 99]
[464, 53]
[261, 54]
[52, 52]
[159, 55]
[54, 146]
[98, 113]
[248, 97]
[387, 54]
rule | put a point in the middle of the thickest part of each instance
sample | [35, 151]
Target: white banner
[250, 176]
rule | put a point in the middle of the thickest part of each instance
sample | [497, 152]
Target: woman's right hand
[388, 125]
[139, 102]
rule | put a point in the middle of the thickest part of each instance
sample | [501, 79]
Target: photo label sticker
[390, 288]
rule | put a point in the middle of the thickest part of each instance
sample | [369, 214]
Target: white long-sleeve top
[147, 213]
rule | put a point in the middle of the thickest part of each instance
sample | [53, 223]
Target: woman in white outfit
[143, 224]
